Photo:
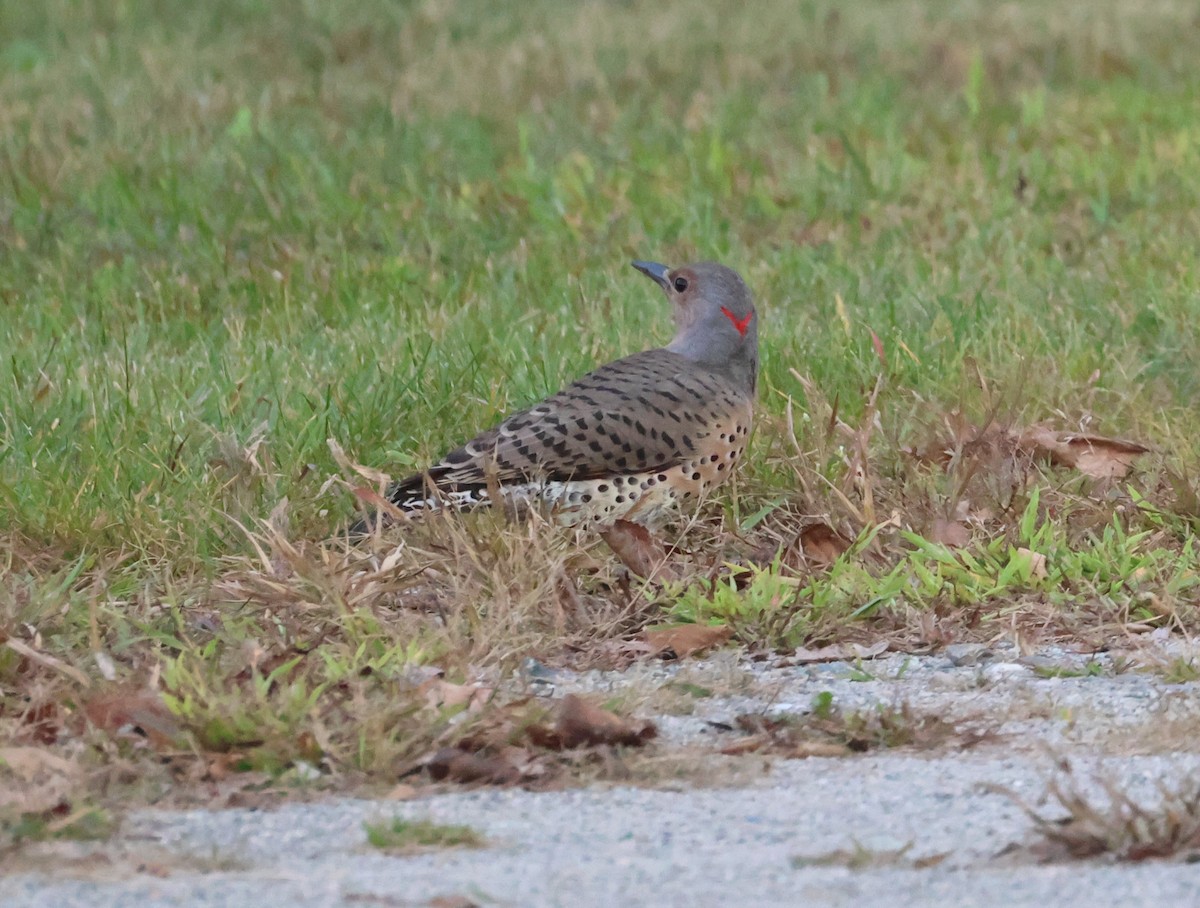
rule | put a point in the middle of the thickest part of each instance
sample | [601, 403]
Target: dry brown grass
[1099, 818]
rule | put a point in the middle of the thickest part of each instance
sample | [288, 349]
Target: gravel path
[945, 834]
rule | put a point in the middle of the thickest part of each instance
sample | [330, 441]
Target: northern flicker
[629, 440]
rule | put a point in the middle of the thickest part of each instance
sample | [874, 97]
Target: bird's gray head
[714, 315]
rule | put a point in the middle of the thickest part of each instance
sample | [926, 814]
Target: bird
[632, 440]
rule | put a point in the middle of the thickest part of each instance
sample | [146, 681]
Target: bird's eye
[680, 284]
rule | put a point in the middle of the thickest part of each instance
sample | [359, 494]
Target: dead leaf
[838, 652]
[682, 640]
[134, 712]
[1034, 562]
[583, 724]
[33, 779]
[1104, 458]
[638, 550]
[455, 765]
[951, 533]
[441, 693]
[822, 544]
[401, 792]
[1092, 455]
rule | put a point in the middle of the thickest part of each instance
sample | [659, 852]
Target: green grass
[232, 231]
[264, 221]
[399, 834]
[82, 825]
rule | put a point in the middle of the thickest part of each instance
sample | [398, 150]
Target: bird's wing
[646, 412]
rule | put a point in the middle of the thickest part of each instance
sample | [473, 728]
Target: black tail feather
[410, 495]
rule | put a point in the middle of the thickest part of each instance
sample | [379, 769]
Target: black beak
[654, 271]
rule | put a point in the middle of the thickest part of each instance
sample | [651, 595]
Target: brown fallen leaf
[34, 779]
[951, 533]
[123, 712]
[994, 446]
[455, 765]
[1104, 458]
[638, 550]
[439, 692]
[682, 640]
[822, 544]
[583, 724]
[838, 652]
[1033, 562]
[1092, 455]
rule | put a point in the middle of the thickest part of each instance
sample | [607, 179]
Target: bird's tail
[415, 495]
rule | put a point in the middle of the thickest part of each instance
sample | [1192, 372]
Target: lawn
[234, 232]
